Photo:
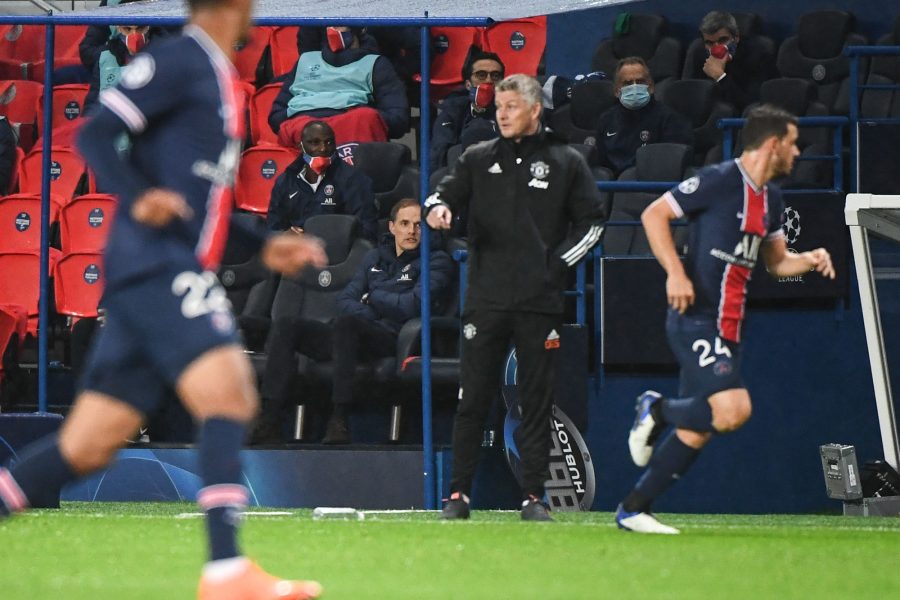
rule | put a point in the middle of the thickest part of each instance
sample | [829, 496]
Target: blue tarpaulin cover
[394, 11]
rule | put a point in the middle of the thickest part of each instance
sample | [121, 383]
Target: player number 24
[706, 350]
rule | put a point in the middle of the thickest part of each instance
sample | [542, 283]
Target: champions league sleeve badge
[139, 72]
[689, 186]
[571, 485]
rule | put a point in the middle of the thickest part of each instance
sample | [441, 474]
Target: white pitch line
[257, 513]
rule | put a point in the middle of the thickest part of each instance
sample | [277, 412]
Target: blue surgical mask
[634, 96]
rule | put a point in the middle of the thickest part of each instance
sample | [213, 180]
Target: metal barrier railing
[835, 123]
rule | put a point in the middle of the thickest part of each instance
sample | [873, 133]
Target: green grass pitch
[136, 551]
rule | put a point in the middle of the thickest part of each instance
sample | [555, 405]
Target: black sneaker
[457, 507]
[337, 431]
[535, 510]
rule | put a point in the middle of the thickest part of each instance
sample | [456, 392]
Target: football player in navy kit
[734, 214]
[168, 324]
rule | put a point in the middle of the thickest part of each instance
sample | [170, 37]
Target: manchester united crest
[540, 169]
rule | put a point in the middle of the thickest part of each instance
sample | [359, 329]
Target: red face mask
[483, 95]
[135, 42]
[338, 40]
[318, 164]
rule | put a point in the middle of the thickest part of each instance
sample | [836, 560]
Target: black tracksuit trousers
[487, 335]
[346, 340]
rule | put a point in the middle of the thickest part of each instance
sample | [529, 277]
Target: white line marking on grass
[256, 513]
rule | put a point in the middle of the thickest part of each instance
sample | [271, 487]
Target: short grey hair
[524, 85]
[716, 20]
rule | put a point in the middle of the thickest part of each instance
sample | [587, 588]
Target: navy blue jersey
[177, 103]
[729, 219]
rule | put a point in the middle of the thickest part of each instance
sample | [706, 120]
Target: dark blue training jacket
[393, 286]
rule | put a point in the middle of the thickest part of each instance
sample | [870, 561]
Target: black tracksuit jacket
[533, 211]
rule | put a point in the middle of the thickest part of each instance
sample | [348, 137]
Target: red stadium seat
[284, 50]
[78, 284]
[67, 173]
[20, 281]
[260, 167]
[20, 47]
[260, 107]
[65, 42]
[451, 46]
[68, 103]
[85, 221]
[246, 60]
[20, 221]
[520, 43]
[13, 327]
[18, 103]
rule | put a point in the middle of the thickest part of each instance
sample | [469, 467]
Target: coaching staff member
[533, 212]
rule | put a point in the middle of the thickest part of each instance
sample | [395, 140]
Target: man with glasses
[467, 115]
[738, 67]
[638, 119]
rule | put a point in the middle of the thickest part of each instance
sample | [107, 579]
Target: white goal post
[872, 214]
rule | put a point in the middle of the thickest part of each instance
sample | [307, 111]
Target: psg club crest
[571, 485]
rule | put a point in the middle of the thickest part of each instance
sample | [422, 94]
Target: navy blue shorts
[154, 329]
[708, 363]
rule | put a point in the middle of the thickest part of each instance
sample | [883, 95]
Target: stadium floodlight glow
[879, 215]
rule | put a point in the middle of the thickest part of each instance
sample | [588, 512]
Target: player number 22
[705, 349]
[202, 293]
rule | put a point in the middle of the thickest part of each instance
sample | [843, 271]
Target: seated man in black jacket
[319, 183]
[468, 115]
[738, 67]
[346, 83]
[384, 294]
[638, 119]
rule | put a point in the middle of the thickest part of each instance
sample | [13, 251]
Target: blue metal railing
[835, 123]
[425, 22]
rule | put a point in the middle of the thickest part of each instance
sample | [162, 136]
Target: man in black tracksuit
[533, 212]
[384, 294]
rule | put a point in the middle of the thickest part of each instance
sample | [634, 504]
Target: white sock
[222, 570]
